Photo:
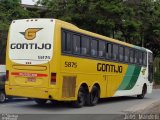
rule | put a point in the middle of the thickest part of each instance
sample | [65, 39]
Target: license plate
[31, 79]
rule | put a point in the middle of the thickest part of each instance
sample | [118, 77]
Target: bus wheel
[2, 97]
[80, 99]
[144, 91]
[40, 101]
[93, 97]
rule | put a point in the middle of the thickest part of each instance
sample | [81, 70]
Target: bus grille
[69, 86]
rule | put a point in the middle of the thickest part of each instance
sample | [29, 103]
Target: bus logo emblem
[30, 33]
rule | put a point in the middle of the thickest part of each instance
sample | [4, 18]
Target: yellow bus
[49, 59]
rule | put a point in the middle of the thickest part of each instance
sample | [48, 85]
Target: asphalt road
[116, 106]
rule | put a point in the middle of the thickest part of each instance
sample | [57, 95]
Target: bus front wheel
[40, 101]
[93, 97]
[80, 99]
[144, 91]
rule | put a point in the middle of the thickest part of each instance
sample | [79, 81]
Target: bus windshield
[31, 41]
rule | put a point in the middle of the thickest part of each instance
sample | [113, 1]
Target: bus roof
[72, 27]
[75, 28]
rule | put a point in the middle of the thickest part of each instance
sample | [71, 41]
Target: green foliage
[11, 10]
[149, 15]
[136, 23]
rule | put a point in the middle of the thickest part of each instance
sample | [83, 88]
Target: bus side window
[66, 42]
[108, 50]
[115, 52]
[144, 58]
[101, 51]
[150, 58]
[85, 45]
[136, 57]
[126, 58]
[140, 57]
[131, 57]
[76, 44]
[94, 47]
[121, 53]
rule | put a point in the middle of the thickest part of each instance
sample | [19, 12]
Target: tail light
[7, 75]
[53, 78]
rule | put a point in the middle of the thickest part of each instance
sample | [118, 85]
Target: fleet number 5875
[71, 64]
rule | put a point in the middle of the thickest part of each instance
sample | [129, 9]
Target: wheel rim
[2, 97]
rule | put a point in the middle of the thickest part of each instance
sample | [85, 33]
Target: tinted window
[76, 44]
[108, 50]
[85, 46]
[93, 47]
[136, 57]
[126, 58]
[66, 41]
[144, 58]
[102, 47]
[150, 58]
[115, 52]
[140, 57]
[121, 53]
[131, 56]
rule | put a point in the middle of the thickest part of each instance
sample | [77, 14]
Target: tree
[148, 13]
[11, 10]
[111, 18]
[136, 23]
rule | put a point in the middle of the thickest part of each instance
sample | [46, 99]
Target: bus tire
[144, 91]
[40, 101]
[93, 96]
[2, 97]
[80, 98]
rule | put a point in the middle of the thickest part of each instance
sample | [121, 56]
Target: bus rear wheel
[93, 97]
[144, 91]
[40, 101]
[80, 99]
[2, 97]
